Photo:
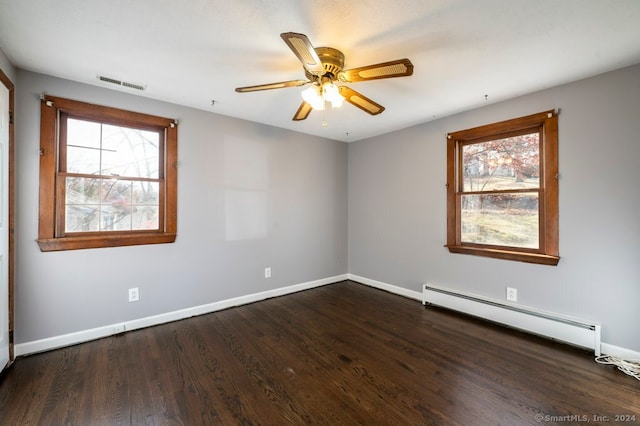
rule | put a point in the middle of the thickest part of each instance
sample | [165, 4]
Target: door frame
[11, 187]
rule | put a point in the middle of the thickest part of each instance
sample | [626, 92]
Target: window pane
[145, 217]
[81, 218]
[500, 219]
[130, 152]
[502, 164]
[146, 193]
[83, 160]
[115, 218]
[111, 205]
[83, 191]
[116, 192]
[146, 199]
[83, 133]
[116, 209]
[83, 147]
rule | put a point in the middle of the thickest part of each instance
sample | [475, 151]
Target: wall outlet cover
[134, 294]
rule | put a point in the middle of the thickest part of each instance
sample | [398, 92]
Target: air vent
[121, 83]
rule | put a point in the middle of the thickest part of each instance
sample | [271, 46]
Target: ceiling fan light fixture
[331, 93]
[313, 97]
[337, 103]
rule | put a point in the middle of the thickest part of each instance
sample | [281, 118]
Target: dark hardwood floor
[342, 354]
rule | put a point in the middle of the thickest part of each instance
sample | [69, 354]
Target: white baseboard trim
[619, 352]
[607, 349]
[387, 287]
[69, 339]
[111, 329]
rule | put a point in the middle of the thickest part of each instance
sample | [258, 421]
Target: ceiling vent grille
[121, 83]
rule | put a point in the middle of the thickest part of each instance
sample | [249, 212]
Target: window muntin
[107, 177]
[502, 196]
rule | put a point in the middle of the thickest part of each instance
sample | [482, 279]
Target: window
[107, 177]
[502, 190]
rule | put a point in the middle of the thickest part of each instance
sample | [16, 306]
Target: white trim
[108, 330]
[387, 287]
[618, 352]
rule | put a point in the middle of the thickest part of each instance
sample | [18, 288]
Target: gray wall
[7, 68]
[250, 196]
[397, 208]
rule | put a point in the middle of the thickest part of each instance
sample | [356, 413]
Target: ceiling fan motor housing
[332, 61]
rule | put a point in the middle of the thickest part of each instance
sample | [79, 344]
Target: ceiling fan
[323, 67]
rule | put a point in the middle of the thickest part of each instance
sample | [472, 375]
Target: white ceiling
[191, 52]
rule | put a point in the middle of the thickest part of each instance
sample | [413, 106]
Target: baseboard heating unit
[567, 329]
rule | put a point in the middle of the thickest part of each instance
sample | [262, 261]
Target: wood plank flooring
[342, 354]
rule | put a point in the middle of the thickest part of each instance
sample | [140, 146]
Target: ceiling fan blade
[359, 100]
[303, 111]
[282, 84]
[397, 68]
[301, 46]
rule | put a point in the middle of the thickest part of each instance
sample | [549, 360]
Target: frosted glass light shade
[312, 96]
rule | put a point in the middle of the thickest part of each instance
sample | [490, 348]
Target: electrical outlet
[134, 294]
[267, 272]
[512, 294]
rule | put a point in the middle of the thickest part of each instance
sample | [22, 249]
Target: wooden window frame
[547, 253]
[51, 234]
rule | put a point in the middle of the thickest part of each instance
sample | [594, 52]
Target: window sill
[538, 258]
[77, 243]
